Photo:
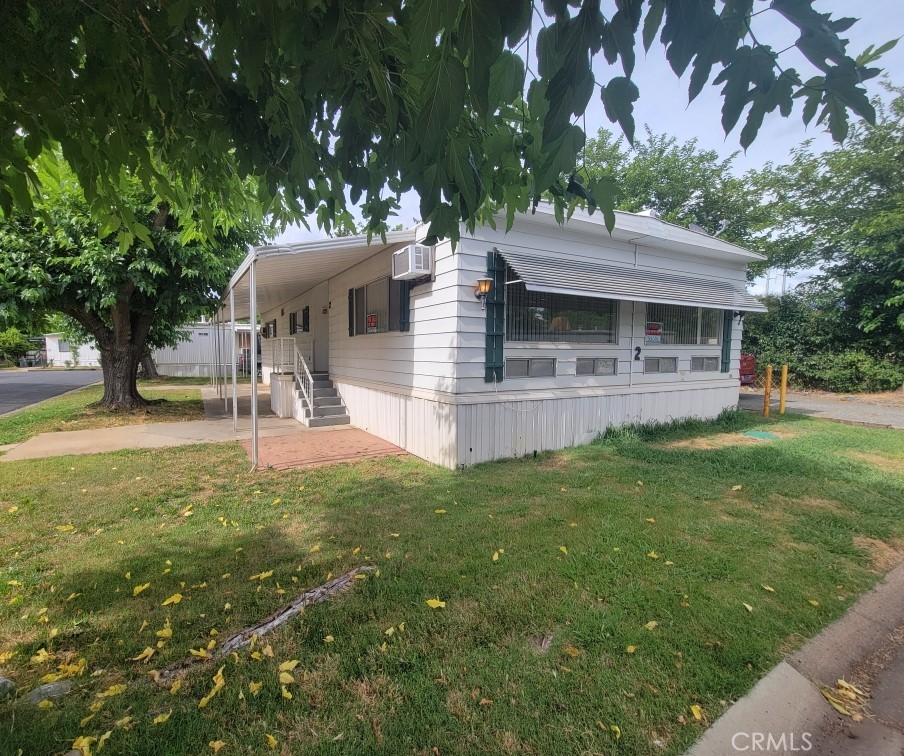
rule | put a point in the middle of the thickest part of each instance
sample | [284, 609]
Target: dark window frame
[397, 307]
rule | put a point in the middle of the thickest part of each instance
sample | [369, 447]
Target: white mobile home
[578, 331]
[207, 348]
[60, 351]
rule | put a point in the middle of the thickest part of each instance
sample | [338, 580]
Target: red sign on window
[372, 323]
[653, 333]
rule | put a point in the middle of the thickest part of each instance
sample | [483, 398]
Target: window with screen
[534, 367]
[705, 364]
[660, 365]
[378, 307]
[542, 317]
[64, 345]
[596, 366]
[676, 324]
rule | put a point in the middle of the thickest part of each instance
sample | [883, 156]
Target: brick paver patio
[321, 447]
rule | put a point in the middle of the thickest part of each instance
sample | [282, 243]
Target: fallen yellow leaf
[255, 687]
[285, 678]
[288, 666]
[271, 741]
[495, 556]
[572, 651]
[174, 688]
[216, 745]
[697, 712]
[814, 602]
[314, 549]
[748, 607]
[563, 549]
[435, 603]
[45, 704]
[113, 690]
[735, 488]
[439, 511]
[768, 588]
[653, 555]
[651, 625]
[13, 510]
[144, 656]
[651, 520]
[630, 649]
[161, 718]
[284, 691]
[328, 639]
[82, 744]
[65, 528]
[616, 730]
[139, 588]
[174, 599]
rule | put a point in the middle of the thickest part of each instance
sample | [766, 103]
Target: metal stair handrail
[304, 379]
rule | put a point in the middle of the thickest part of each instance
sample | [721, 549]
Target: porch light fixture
[739, 314]
[483, 289]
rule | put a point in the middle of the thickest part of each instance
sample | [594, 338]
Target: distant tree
[843, 210]
[13, 344]
[682, 182]
[126, 293]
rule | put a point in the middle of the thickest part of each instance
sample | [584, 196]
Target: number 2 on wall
[637, 354]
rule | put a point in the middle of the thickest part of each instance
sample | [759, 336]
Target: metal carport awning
[589, 278]
[272, 275]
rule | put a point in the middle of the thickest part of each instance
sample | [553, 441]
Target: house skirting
[454, 430]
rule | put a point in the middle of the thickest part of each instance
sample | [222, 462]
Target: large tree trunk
[148, 366]
[120, 364]
[121, 350]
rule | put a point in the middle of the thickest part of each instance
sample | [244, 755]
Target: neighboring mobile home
[579, 331]
[197, 355]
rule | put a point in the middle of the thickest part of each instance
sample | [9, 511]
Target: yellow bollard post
[767, 391]
[783, 390]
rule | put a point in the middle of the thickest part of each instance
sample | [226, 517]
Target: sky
[664, 108]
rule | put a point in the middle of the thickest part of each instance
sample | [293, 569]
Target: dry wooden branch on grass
[283, 614]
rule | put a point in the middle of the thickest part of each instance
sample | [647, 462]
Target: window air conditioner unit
[414, 261]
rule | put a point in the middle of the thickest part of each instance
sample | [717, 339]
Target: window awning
[588, 278]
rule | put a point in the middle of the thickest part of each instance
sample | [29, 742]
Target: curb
[787, 703]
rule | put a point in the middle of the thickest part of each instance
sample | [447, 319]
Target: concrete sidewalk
[866, 648]
[217, 427]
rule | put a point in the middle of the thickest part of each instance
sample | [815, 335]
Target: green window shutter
[727, 318]
[351, 312]
[306, 319]
[495, 303]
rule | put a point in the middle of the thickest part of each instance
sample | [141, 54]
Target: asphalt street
[19, 388]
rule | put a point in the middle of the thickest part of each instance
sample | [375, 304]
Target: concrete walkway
[865, 648]
[284, 442]
[844, 408]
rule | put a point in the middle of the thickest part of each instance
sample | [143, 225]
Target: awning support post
[253, 316]
[235, 408]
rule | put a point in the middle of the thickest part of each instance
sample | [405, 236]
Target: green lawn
[72, 412]
[529, 654]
